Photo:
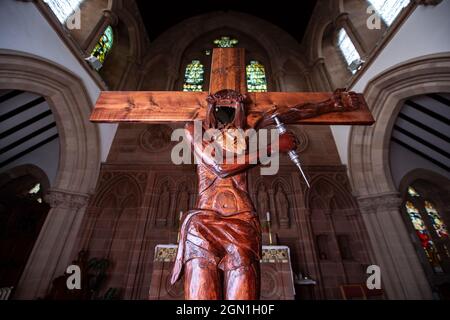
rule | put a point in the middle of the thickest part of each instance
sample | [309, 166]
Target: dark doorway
[22, 215]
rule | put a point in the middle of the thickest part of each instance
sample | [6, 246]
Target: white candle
[268, 216]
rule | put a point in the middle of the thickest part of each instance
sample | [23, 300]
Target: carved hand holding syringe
[340, 102]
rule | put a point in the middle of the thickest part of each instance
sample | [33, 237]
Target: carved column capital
[341, 20]
[372, 203]
[66, 199]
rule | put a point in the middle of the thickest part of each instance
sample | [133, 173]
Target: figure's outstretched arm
[341, 101]
[230, 167]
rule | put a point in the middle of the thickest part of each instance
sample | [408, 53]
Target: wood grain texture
[149, 106]
[228, 70]
[166, 107]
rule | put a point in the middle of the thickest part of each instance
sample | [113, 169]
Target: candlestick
[179, 226]
[268, 227]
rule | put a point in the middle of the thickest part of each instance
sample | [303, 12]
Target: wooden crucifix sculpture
[220, 243]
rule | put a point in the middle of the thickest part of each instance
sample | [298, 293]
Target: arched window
[256, 77]
[194, 76]
[226, 42]
[103, 46]
[348, 49]
[63, 9]
[389, 9]
[429, 226]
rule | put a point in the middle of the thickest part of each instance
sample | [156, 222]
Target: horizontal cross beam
[178, 106]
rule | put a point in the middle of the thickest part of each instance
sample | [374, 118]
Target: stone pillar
[279, 79]
[323, 75]
[402, 275]
[172, 78]
[52, 251]
[124, 79]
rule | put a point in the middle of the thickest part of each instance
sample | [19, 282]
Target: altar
[277, 280]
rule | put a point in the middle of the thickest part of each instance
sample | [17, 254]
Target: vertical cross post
[228, 70]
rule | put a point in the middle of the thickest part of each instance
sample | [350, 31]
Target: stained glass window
[226, 42]
[389, 9]
[436, 220]
[194, 76]
[256, 77]
[429, 226]
[423, 234]
[348, 49]
[63, 9]
[104, 45]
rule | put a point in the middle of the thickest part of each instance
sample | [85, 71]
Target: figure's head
[226, 109]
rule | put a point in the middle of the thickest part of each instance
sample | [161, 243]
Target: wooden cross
[227, 72]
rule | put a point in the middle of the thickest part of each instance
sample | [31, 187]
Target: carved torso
[227, 196]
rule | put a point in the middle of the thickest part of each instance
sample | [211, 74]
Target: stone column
[279, 79]
[172, 78]
[326, 84]
[52, 251]
[402, 275]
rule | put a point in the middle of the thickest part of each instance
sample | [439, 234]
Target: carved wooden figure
[220, 245]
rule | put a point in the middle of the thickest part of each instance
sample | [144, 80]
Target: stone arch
[338, 197]
[164, 180]
[71, 106]
[78, 166]
[133, 190]
[369, 166]
[370, 174]
[277, 43]
[320, 193]
[195, 50]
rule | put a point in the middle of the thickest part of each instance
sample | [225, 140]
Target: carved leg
[201, 280]
[243, 283]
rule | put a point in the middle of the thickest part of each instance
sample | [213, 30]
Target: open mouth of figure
[224, 115]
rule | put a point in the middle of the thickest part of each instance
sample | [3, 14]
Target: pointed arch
[126, 192]
[368, 153]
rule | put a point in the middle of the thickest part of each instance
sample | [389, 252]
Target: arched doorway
[78, 168]
[23, 211]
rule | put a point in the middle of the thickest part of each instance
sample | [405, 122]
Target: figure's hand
[345, 101]
[287, 142]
